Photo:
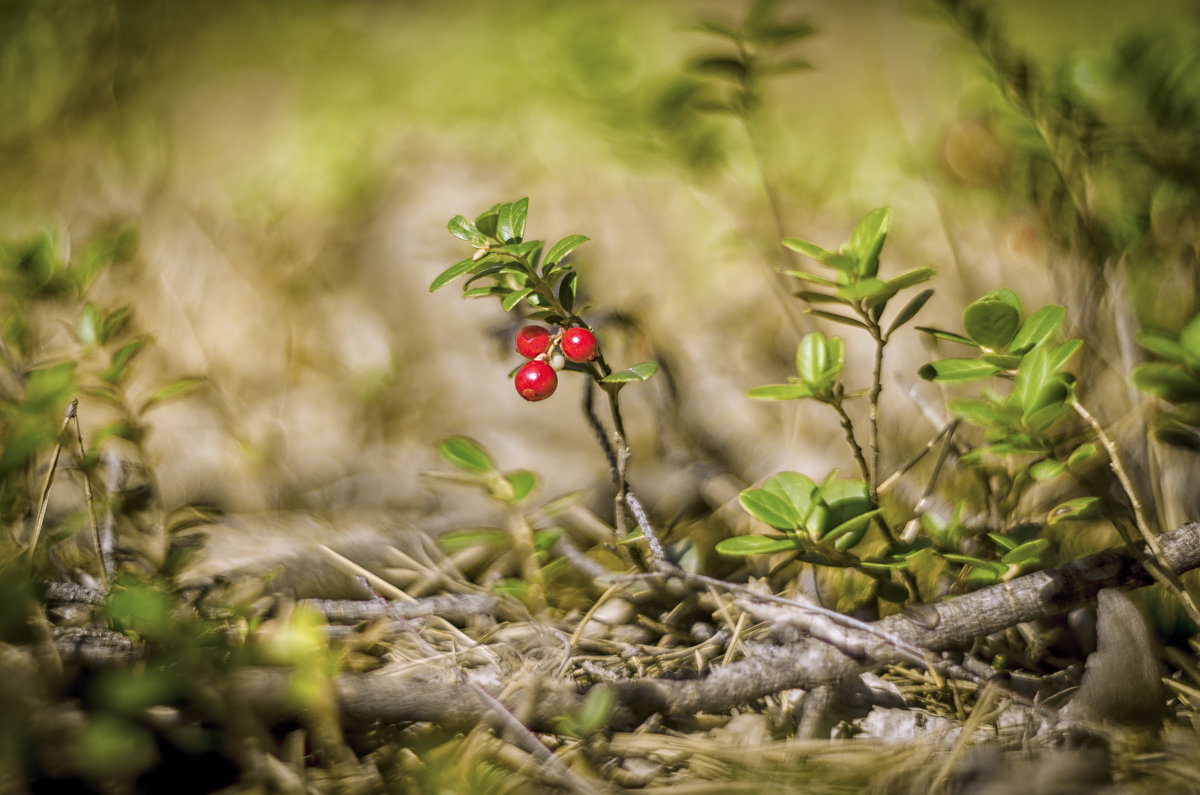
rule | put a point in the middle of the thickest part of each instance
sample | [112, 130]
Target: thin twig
[44, 499]
[1160, 570]
[73, 413]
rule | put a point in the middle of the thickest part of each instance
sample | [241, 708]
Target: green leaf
[121, 360]
[1037, 328]
[771, 508]
[949, 336]
[639, 372]
[562, 248]
[514, 298]
[465, 454]
[741, 546]
[867, 239]
[807, 249]
[114, 322]
[88, 331]
[1046, 469]
[1006, 543]
[1005, 361]
[1082, 454]
[1162, 345]
[992, 321]
[811, 358]
[911, 278]
[814, 297]
[463, 229]
[976, 412]
[992, 566]
[485, 222]
[910, 310]
[780, 392]
[510, 221]
[1189, 338]
[1170, 382]
[451, 273]
[808, 277]
[522, 482]
[485, 292]
[1061, 354]
[175, 389]
[1078, 508]
[1029, 552]
[849, 321]
[720, 66]
[871, 291]
[718, 29]
[850, 532]
[794, 488]
[566, 291]
[950, 371]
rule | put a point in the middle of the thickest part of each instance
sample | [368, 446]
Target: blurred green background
[290, 167]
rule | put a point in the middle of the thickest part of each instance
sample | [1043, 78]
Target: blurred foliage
[1103, 143]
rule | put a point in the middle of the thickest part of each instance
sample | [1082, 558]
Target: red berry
[533, 341]
[536, 380]
[579, 345]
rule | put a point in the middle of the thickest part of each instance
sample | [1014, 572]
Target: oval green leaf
[1037, 328]
[463, 229]
[639, 372]
[451, 273]
[991, 322]
[465, 454]
[949, 371]
[780, 392]
[770, 508]
[741, 546]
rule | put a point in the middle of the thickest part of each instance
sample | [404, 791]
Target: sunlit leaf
[1078, 508]
[514, 298]
[639, 372]
[1189, 338]
[510, 221]
[563, 247]
[991, 321]
[1029, 552]
[466, 454]
[741, 546]
[949, 371]
[771, 508]
[463, 229]
[1047, 469]
[451, 273]
[522, 482]
[781, 392]
[867, 239]
[1037, 328]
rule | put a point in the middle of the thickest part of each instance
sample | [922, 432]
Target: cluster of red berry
[537, 379]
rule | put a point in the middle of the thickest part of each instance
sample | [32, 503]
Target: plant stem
[848, 427]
